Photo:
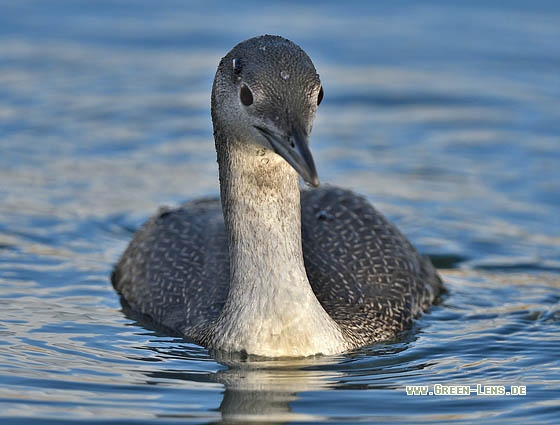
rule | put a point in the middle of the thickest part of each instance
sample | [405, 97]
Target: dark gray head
[266, 92]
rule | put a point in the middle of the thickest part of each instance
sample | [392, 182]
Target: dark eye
[320, 96]
[245, 95]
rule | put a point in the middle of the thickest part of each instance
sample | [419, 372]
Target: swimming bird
[273, 270]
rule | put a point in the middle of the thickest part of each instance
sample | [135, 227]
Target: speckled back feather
[364, 272]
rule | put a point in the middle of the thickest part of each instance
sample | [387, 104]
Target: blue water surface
[446, 115]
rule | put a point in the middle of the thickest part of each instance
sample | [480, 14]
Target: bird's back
[176, 268]
[364, 272]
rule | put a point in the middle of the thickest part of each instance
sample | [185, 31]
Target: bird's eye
[245, 95]
[320, 96]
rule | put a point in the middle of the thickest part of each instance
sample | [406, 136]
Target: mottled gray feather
[364, 272]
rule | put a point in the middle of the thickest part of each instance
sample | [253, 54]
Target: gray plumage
[261, 281]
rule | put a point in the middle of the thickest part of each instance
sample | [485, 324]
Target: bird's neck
[271, 309]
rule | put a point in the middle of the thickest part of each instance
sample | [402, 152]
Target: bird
[273, 268]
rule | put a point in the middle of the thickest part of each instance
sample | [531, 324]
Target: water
[446, 116]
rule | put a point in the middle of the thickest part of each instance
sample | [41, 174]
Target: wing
[365, 273]
[176, 268]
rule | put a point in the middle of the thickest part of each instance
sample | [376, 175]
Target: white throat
[271, 309]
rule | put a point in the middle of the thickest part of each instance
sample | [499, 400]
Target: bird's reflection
[258, 390]
[255, 390]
